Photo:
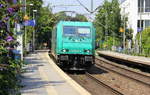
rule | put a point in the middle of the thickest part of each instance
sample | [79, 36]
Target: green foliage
[62, 16]
[145, 37]
[145, 41]
[8, 77]
[129, 34]
[8, 81]
[111, 41]
[108, 21]
[37, 5]
[45, 22]
[9, 68]
[80, 17]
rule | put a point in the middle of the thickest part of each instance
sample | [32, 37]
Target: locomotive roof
[75, 23]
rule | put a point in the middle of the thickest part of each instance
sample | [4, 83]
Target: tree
[80, 17]
[61, 16]
[64, 17]
[108, 21]
[37, 5]
[145, 39]
[129, 34]
[45, 23]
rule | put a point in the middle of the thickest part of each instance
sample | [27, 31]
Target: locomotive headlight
[64, 50]
[88, 51]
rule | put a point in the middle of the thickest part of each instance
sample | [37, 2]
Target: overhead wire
[83, 5]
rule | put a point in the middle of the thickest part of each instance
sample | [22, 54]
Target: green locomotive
[73, 45]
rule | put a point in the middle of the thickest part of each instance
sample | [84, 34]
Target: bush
[145, 41]
[8, 77]
[109, 43]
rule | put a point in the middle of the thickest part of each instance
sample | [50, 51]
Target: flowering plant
[9, 10]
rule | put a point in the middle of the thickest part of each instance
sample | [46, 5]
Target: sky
[78, 9]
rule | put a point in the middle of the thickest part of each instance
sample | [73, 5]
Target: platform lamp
[31, 4]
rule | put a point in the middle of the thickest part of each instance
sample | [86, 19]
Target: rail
[105, 85]
[136, 76]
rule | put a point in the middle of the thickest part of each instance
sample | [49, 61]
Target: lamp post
[30, 5]
[140, 21]
[106, 32]
[26, 18]
[33, 35]
[124, 26]
[25, 26]
[113, 31]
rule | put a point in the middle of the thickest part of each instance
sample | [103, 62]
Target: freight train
[73, 45]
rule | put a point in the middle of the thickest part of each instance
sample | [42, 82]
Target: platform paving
[137, 59]
[43, 77]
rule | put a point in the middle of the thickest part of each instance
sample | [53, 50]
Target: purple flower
[9, 38]
[6, 18]
[11, 1]
[1, 5]
[2, 24]
[10, 10]
[14, 1]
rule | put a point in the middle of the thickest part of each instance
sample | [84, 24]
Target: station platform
[43, 77]
[135, 59]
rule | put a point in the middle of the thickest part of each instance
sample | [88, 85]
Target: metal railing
[145, 51]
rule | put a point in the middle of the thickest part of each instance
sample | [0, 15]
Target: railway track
[103, 84]
[110, 66]
[94, 85]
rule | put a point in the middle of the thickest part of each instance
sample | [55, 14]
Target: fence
[145, 51]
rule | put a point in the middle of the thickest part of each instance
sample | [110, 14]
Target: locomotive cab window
[69, 31]
[76, 31]
[84, 31]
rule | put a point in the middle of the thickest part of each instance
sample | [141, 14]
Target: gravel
[122, 84]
